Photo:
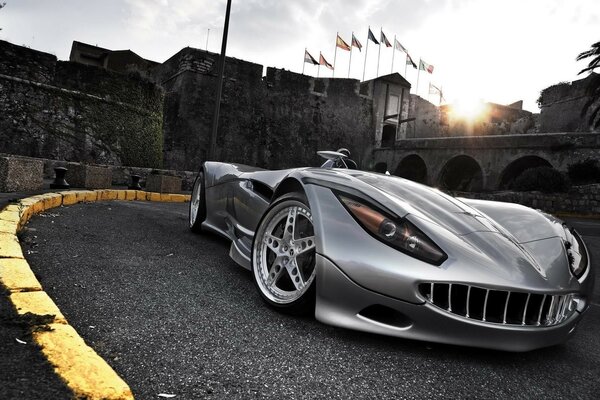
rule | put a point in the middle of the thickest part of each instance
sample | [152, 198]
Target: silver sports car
[382, 254]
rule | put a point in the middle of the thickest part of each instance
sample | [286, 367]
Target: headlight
[576, 253]
[395, 232]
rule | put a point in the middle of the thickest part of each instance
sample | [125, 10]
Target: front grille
[499, 306]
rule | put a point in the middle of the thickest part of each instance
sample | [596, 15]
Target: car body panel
[423, 322]
[522, 222]
[492, 245]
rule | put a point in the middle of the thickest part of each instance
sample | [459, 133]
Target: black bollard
[135, 182]
[60, 182]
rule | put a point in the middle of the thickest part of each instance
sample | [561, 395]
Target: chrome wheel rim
[285, 254]
[195, 200]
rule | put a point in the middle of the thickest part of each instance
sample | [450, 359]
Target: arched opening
[380, 167]
[517, 167]
[412, 167]
[388, 137]
[462, 173]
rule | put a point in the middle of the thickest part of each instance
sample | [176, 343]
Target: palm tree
[593, 89]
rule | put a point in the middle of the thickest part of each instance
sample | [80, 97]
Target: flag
[309, 59]
[385, 40]
[372, 37]
[434, 89]
[356, 43]
[324, 62]
[423, 66]
[339, 42]
[398, 46]
[409, 61]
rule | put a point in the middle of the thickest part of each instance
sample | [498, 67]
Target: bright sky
[499, 51]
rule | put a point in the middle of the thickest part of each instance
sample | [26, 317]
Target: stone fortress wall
[69, 111]
[276, 121]
[561, 106]
[162, 118]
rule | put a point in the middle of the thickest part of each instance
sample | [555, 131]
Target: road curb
[77, 364]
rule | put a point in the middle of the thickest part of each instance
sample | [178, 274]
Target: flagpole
[366, 53]
[335, 54]
[405, 65]
[429, 87]
[319, 68]
[304, 61]
[418, 74]
[350, 61]
[393, 55]
[379, 54]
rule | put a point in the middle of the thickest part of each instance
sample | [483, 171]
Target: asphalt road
[173, 314]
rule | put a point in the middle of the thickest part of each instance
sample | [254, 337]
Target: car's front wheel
[283, 256]
[197, 212]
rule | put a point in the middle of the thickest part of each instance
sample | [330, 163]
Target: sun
[470, 109]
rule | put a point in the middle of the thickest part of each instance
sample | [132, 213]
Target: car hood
[535, 250]
[428, 203]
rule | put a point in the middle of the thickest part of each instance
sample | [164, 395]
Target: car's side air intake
[499, 306]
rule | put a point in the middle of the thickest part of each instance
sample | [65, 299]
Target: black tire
[284, 263]
[197, 210]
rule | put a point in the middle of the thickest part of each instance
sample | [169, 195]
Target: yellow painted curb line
[77, 364]
[9, 246]
[16, 275]
[36, 303]
[8, 227]
[86, 373]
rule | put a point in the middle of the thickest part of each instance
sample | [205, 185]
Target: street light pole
[215, 123]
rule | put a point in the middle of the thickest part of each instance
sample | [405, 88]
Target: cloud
[271, 32]
[274, 32]
[171, 18]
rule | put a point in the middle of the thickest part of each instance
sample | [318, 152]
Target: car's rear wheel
[197, 212]
[283, 256]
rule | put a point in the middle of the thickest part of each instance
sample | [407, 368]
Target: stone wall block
[89, 176]
[20, 174]
[163, 183]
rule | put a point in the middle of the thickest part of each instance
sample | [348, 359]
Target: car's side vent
[262, 189]
[499, 306]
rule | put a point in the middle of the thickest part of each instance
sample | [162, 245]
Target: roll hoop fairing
[505, 280]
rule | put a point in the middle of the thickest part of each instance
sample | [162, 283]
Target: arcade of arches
[462, 172]
[517, 167]
[412, 167]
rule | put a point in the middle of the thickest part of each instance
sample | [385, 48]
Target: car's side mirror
[333, 158]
